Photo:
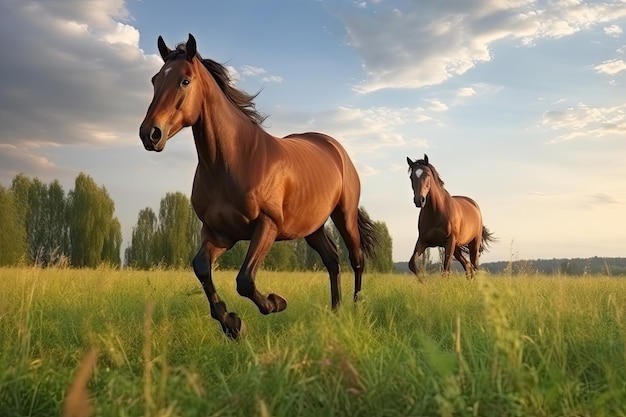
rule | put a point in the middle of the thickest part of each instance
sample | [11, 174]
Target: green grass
[497, 346]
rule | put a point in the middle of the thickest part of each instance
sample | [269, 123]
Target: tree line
[172, 239]
[42, 225]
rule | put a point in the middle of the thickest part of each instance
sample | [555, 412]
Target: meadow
[497, 346]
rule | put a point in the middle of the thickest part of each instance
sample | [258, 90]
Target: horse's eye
[185, 83]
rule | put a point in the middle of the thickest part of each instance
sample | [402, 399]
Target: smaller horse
[452, 222]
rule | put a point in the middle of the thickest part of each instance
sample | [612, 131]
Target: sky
[519, 104]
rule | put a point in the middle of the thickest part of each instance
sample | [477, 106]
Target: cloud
[465, 92]
[436, 105]
[603, 199]
[363, 132]
[585, 121]
[250, 71]
[417, 44]
[86, 84]
[611, 67]
[273, 79]
[613, 30]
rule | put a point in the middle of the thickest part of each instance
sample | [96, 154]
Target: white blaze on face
[418, 172]
[167, 71]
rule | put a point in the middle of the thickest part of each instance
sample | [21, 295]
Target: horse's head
[177, 95]
[422, 178]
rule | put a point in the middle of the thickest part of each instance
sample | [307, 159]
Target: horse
[452, 222]
[250, 185]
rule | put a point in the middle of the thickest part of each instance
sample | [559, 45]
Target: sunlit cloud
[415, 45]
[585, 121]
[611, 67]
[613, 30]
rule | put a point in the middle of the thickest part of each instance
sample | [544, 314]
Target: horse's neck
[224, 135]
[439, 198]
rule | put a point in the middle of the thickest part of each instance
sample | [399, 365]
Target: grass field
[497, 346]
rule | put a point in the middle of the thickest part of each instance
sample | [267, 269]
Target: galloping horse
[250, 185]
[452, 222]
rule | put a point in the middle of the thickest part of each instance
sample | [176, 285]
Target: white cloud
[436, 105]
[585, 121]
[251, 71]
[124, 34]
[273, 79]
[611, 67]
[417, 44]
[465, 92]
[613, 30]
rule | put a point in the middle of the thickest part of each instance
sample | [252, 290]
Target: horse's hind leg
[474, 249]
[230, 322]
[347, 225]
[467, 267]
[327, 249]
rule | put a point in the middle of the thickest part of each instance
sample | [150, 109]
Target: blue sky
[519, 104]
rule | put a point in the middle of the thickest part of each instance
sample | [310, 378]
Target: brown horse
[250, 185]
[452, 222]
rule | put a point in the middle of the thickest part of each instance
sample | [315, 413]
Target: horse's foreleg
[447, 259]
[417, 252]
[261, 242]
[230, 322]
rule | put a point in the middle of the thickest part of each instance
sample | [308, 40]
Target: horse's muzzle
[419, 201]
[152, 138]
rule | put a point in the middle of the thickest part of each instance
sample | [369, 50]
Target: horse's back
[315, 146]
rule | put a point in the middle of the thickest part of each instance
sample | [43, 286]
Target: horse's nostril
[155, 135]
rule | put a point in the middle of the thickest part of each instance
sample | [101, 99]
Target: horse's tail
[367, 232]
[488, 238]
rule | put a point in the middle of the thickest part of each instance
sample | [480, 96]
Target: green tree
[233, 258]
[142, 252]
[179, 228]
[57, 238]
[13, 236]
[281, 257]
[92, 229]
[383, 259]
[20, 189]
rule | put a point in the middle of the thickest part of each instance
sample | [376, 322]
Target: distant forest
[562, 266]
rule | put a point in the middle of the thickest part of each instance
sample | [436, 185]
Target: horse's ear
[191, 47]
[163, 49]
[426, 159]
[411, 163]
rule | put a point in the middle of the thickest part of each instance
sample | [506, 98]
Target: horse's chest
[225, 214]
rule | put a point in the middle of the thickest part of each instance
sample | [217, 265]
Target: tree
[179, 230]
[13, 236]
[171, 239]
[142, 253]
[93, 231]
[382, 261]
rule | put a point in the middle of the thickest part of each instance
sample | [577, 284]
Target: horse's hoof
[233, 326]
[279, 302]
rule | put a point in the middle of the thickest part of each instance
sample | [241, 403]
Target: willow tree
[94, 232]
[13, 236]
[142, 250]
[179, 231]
